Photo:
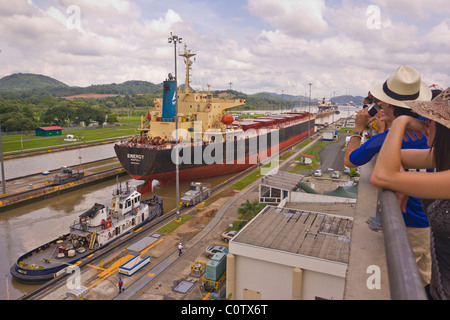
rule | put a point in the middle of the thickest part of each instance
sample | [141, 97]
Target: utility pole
[3, 168]
[309, 112]
[175, 40]
[1, 160]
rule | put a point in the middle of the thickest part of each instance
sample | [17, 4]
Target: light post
[309, 111]
[175, 40]
[3, 168]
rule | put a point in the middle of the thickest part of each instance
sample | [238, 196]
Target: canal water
[27, 227]
[20, 167]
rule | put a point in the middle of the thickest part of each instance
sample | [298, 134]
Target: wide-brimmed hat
[404, 84]
[437, 109]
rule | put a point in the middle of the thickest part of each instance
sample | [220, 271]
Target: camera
[373, 109]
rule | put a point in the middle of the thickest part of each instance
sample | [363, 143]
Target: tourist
[180, 246]
[392, 94]
[429, 186]
[120, 285]
[375, 124]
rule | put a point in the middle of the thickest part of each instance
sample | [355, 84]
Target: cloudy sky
[341, 47]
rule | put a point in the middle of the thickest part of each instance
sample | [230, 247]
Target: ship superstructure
[197, 111]
[325, 106]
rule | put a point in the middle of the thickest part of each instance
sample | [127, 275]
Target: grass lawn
[286, 155]
[23, 142]
[241, 184]
[314, 151]
[168, 228]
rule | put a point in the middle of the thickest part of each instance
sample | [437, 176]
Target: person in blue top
[120, 285]
[404, 84]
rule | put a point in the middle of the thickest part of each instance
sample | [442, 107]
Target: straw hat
[404, 84]
[437, 109]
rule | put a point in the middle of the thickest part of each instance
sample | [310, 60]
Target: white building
[274, 188]
[291, 253]
[329, 135]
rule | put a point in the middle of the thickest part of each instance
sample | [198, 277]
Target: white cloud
[417, 9]
[265, 46]
[293, 17]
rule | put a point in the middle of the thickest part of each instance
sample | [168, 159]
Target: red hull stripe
[215, 170]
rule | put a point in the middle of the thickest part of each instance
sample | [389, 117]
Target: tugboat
[93, 230]
[211, 142]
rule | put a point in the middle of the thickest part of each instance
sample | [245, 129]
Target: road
[332, 155]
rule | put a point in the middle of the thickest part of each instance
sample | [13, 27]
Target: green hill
[128, 87]
[23, 85]
[28, 84]
[25, 82]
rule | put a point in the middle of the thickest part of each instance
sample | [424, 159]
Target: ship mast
[187, 54]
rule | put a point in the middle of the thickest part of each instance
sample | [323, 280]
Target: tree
[111, 118]
[249, 210]
[19, 122]
[59, 115]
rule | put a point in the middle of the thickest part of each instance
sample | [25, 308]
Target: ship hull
[143, 163]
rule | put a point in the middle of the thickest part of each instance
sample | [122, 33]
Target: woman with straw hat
[429, 186]
[403, 84]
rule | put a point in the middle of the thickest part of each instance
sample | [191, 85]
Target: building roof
[50, 128]
[298, 231]
[283, 180]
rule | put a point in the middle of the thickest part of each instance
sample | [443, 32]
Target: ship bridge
[193, 108]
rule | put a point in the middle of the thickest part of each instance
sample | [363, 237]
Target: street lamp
[1, 159]
[174, 39]
[309, 112]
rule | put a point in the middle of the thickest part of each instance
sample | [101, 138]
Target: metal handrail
[405, 282]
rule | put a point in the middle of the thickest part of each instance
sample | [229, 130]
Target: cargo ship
[208, 141]
[326, 106]
[93, 230]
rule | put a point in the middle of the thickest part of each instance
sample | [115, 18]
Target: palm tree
[249, 210]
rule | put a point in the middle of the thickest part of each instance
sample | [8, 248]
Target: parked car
[335, 174]
[212, 250]
[228, 235]
[318, 173]
[346, 170]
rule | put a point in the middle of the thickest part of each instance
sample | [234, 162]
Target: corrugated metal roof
[299, 231]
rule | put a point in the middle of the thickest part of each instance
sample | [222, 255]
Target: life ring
[107, 224]
[83, 219]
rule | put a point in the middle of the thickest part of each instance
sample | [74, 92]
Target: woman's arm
[417, 158]
[362, 120]
[387, 174]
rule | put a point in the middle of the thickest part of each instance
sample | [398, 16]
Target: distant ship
[210, 141]
[326, 106]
